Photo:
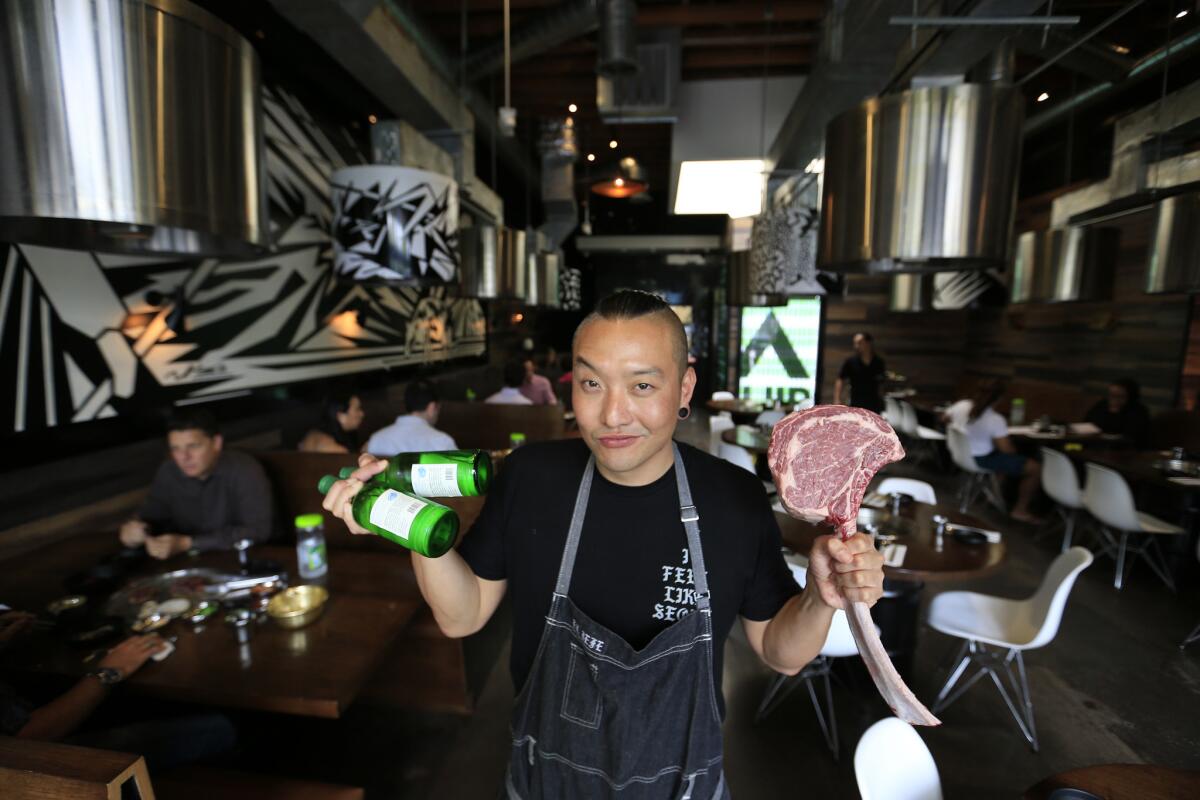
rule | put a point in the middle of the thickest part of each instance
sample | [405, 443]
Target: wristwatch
[106, 675]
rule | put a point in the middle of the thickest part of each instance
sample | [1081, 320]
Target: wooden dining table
[748, 437]
[923, 561]
[744, 412]
[1121, 782]
[314, 671]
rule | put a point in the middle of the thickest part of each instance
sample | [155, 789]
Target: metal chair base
[783, 685]
[992, 662]
[1194, 636]
[1139, 545]
[980, 483]
[1069, 520]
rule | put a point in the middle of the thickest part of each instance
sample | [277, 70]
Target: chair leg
[1015, 694]
[1069, 529]
[1119, 580]
[777, 691]
[826, 716]
[1153, 555]
[963, 657]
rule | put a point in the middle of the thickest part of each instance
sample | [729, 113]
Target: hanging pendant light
[626, 180]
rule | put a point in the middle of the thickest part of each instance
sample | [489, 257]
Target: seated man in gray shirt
[204, 497]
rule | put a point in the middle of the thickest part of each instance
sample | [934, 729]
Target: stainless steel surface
[542, 279]
[649, 243]
[1064, 265]
[618, 38]
[922, 181]
[911, 293]
[1174, 258]
[513, 263]
[742, 291]
[129, 126]
[480, 261]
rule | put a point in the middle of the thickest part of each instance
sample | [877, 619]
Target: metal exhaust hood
[130, 126]
[922, 181]
[1174, 263]
[1064, 265]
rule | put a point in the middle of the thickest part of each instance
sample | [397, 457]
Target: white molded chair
[989, 625]
[892, 762]
[839, 643]
[892, 412]
[769, 417]
[722, 395]
[1108, 499]
[1194, 636]
[910, 422]
[921, 440]
[716, 426]
[976, 480]
[920, 491]
[1061, 483]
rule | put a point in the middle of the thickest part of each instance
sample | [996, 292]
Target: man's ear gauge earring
[685, 412]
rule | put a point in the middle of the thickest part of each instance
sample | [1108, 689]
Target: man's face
[529, 370]
[861, 345]
[1117, 398]
[627, 393]
[194, 451]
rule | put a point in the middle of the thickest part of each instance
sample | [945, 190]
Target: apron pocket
[582, 701]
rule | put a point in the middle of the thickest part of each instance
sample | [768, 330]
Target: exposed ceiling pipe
[509, 149]
[549, 29]
[1148, 66]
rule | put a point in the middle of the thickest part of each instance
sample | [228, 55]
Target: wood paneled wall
[1059, 356]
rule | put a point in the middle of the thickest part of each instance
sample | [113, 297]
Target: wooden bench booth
[487, 426]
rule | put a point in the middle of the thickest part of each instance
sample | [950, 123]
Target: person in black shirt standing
[1122, 412]
[865, 371]
[628, 557]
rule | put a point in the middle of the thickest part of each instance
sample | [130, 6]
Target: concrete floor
[1113, 687]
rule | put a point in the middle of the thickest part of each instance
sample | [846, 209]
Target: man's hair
[192, 419]
[418, 395]
[987, 392]
[1131, 387]
[514, 372]
[634, 304]
[866, 336]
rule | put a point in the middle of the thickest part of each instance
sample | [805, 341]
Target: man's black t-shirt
[632, 571]
[865, 381]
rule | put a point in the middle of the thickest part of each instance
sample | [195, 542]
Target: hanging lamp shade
[627, 179]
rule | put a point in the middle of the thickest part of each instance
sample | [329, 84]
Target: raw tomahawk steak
[822, 459]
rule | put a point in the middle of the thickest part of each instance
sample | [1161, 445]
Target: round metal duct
[911, 293]
[129, 126]
[394, 224]
[742, 291]
[493, 262]
[922, 181]
[1062, 265]
[618, 38]
[1174, 264]
[541, 280]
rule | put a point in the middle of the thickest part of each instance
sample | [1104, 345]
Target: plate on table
[183, 589]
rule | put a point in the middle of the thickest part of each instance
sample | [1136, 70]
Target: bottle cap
[325, 484]
[309, 521]
[345, 472]
[516, 437]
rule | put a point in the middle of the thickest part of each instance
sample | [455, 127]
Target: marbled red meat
[822, 460]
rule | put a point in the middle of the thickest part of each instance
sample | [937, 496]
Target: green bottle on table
[446, 473]
[421, 525]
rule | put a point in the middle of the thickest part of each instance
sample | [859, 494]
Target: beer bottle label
[395, 512]
[436, 480]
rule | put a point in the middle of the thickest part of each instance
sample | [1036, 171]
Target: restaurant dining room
[584, 399]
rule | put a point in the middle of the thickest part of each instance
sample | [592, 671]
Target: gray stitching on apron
[594, 722]
[679, 648]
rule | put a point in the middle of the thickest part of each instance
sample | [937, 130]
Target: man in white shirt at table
[514, 376]
[413, 432]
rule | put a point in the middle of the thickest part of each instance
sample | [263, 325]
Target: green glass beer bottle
[446, 473]
[421, 525]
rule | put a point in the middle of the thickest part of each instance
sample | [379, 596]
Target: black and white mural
[395, 224]
[85, 335]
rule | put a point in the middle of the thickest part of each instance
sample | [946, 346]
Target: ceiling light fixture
[1043, 97]
[572, 108]
[1181, 14]
[1120, 49]
[591, 156]
[371, 118]
[720, 187]
[627, 180]
[815, 167]
[612, 145]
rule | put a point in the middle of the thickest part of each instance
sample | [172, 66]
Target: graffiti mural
[85, 335]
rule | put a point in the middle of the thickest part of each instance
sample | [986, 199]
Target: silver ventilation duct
[493, 262]
[742, 291]
[559, 150]
[129, 126]
[911, 293]
[1063, 265]
[1174, 264]
[542, 279]
[922, 181]
[618, 38]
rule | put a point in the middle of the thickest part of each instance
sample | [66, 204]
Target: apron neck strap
[687, 515]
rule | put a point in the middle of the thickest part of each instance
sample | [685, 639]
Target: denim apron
[599, 719]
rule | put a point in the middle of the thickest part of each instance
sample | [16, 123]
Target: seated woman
[337, 430]
[987, 434]
[1122, 412]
